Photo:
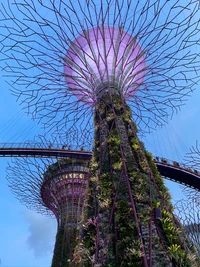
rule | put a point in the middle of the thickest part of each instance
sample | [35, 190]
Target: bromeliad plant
[119, 227]
[176, 246]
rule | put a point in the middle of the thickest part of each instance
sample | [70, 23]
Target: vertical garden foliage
[65, 243]
[124, 189]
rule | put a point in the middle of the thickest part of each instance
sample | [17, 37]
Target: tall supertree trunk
[65, 242]
[130, 221]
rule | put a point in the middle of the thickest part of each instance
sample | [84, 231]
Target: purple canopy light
[102, 58]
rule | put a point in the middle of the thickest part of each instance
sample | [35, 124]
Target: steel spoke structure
[97, 72]
[165, 31]
[188, 208]
[188, 213]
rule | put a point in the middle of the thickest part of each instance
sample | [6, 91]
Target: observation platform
[171, 170]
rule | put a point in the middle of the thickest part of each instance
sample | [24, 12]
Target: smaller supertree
[188, 213]
[188, 208]
[54, 186]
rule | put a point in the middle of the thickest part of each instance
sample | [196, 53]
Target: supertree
[54, 187]
[188, 208]
[125, 63]
[188, 213]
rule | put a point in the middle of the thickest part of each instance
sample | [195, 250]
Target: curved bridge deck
[169, 169]
[185, 176]
[44, 152]
[39, 150]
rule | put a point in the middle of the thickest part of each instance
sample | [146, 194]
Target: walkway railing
[176, 164]
[36, 149]
[170, 169]
[33, 145]
[36, 146]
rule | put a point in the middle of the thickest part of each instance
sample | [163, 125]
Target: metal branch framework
[33, 179]
[121, 63]
[188, 214]
[26, 176]
[188, 209]
[193, 157]
[53, 187]
[36, 36]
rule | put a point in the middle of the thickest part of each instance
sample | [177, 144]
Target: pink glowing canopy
[102, 58]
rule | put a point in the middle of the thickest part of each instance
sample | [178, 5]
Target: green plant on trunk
[110, 231]
[62, 251]
[176, 251]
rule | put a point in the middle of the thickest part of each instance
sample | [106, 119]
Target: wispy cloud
[42, 233]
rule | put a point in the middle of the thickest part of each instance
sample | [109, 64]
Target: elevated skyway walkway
[179, 173]
[37, 150]
[171, 170]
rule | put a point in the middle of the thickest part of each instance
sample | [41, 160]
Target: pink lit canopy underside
[102, 58]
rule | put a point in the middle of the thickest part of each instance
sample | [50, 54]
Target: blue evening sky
[27, 238]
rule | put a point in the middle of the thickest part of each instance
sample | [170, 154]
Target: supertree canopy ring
[101, 58]
[163, 67]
